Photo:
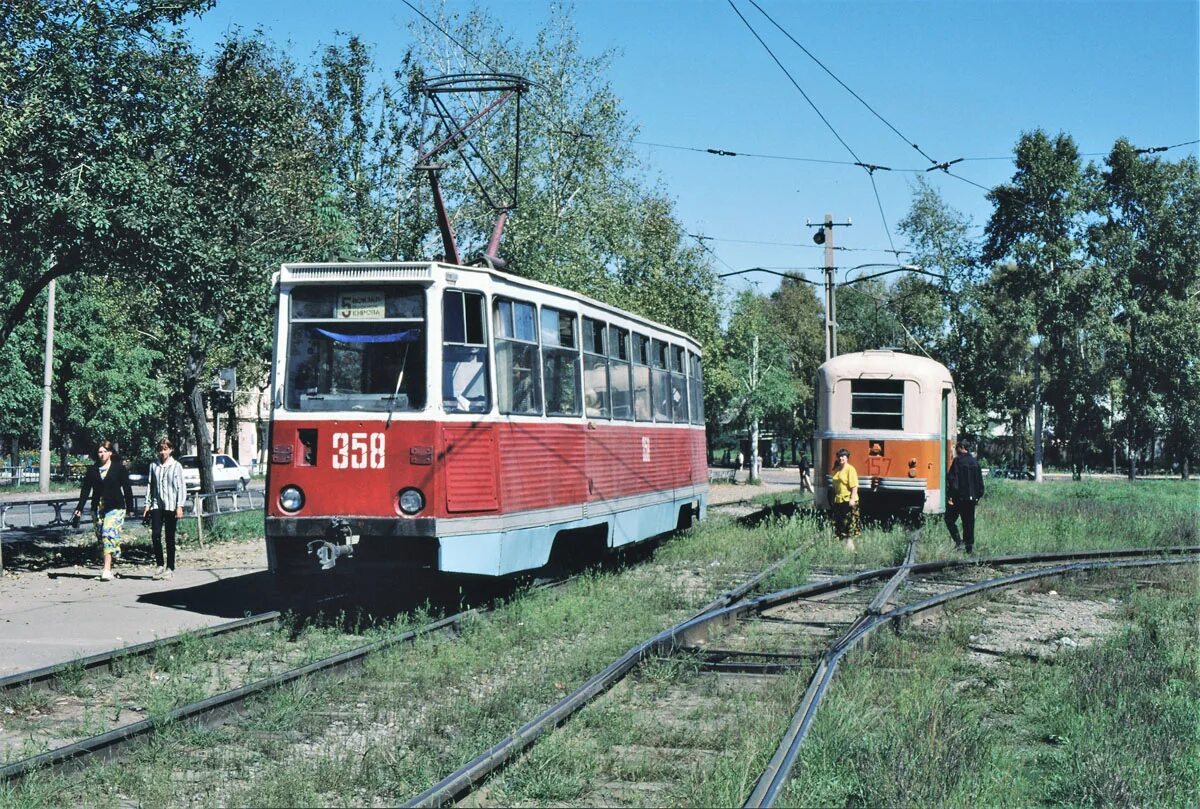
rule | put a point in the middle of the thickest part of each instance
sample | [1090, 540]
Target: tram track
[208, 710]
[45, 676]
[211, 710]
[219, 707]
[837, 617]
[730, 607]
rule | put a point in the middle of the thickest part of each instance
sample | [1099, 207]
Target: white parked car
[227, 473]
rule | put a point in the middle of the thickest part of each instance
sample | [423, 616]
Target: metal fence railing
[38, 514]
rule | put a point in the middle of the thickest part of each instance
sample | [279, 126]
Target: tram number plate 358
[358, 450]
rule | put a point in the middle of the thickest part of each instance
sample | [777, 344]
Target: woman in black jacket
[112, 499]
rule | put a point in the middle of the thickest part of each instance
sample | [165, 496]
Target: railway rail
[45, 676]
[208, 710]
[811, 627]
[219, 706]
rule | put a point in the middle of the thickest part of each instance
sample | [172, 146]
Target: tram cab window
[660, 378]
[560, 362]
[877, 404]
[464, 353]
[356, 348]
[679, 387]
[642, 409]
[619, 373]
[518, 379]
[595, 369]
[695, 388]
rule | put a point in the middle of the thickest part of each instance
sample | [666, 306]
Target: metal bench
[722, 475]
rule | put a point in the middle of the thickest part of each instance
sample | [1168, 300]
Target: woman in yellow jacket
[844, 495]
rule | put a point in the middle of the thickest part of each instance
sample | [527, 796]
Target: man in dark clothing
[964, 488]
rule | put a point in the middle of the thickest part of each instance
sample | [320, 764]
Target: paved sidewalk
[774, 481]
[57, 614]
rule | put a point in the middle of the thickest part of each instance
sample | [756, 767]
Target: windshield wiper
[399, 382]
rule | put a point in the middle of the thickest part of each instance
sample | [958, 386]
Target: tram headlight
[411, 501]
[291, 498]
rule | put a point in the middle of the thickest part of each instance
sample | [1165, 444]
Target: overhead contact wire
[795, 84]
[845, 86]
[882, 215]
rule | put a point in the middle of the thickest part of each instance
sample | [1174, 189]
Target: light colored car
[227, 473]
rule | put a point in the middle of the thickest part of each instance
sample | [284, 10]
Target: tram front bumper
[319, 527]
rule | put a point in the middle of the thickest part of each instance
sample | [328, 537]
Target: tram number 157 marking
[358, 450]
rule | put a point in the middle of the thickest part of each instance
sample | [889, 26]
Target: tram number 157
[358, 450]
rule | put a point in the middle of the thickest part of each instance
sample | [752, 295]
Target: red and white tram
[895, 413]
[465, 420]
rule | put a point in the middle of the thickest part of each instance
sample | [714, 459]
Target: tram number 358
[358, 450]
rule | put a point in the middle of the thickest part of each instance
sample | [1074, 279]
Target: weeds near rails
[24, 700]
[913, 722]
[1124, 716]
[1021, 517]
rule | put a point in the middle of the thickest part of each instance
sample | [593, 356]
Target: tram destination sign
[360, 306]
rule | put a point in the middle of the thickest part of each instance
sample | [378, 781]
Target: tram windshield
[356, 348]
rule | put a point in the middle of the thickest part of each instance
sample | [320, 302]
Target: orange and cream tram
[465, 420]
[895, 413]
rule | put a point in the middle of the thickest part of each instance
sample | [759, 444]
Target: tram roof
[417, 271]
[884, 364]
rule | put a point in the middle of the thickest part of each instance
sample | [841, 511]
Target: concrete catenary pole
[825, 236]
[755, 463]
[830, 297]
[47, 381]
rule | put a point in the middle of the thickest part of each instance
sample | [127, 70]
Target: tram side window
[619, 370]
[595, 369]
[679, 386]
[660, 380]
[642, 409]
[464, 353]
[560, 362]
[877, 404]
[518, 382]
[696, 388]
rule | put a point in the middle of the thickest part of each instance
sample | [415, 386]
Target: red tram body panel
[463, 420]
[895, 413]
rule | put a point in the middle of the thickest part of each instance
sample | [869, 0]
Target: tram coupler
[340, 542]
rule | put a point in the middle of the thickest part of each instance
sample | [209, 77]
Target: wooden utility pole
[47, 381]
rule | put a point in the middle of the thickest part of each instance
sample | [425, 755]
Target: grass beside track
[914, 722]
[422, 711]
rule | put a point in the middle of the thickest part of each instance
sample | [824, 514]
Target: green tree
[757, 359]
[106, 364]
[83, 88]
[1149, 242]
[586, 219]
[365, 132]
[970, 340]
[798, 315]
[1039, 225]
[244, 195]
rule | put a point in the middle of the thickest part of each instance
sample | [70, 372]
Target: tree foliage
[85, 89]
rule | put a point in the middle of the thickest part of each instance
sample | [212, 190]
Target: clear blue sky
[962, 79]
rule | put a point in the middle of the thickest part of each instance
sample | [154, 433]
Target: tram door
[945, 436]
